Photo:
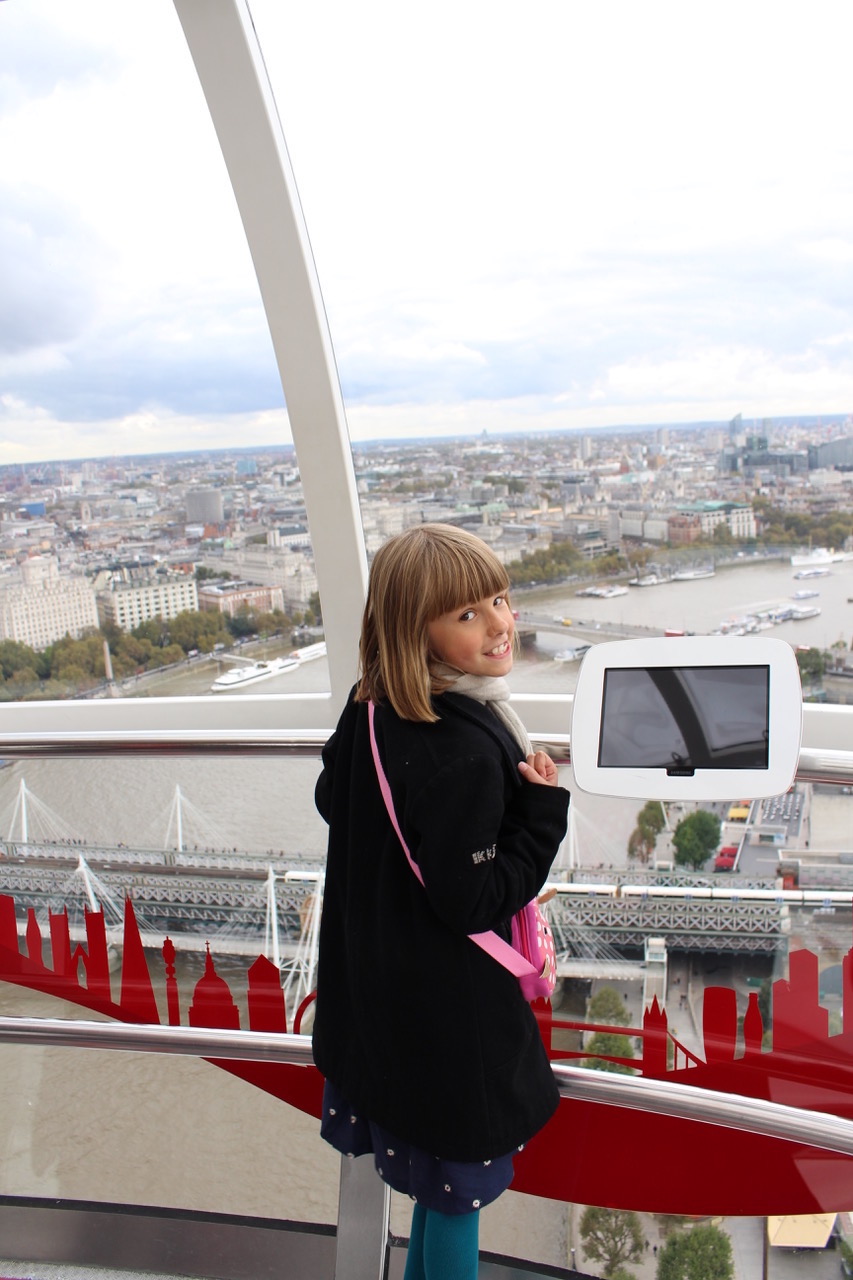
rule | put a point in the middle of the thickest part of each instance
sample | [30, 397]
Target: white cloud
[555, 215]
[31, 433]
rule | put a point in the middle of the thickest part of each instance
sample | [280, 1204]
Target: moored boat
[571, 655]
[690, 575]
[814, 572]
[253, 673]
[310, 652]
[602, 593]
[818, 556]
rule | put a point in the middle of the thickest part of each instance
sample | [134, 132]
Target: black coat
[420, 1029]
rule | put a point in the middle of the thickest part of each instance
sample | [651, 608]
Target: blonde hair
[417, 576]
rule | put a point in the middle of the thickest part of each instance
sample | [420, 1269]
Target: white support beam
[227, 56]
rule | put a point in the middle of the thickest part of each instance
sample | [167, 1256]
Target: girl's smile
[476, 638]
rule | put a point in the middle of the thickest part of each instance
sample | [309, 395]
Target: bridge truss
[237, 902]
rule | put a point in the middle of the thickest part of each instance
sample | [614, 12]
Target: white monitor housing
[687, 718]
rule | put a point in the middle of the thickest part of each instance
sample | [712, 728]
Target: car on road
[726, 858]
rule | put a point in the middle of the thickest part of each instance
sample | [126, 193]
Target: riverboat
[238, 677]
[602, 593]
[310, 652]
[814, 572]
[571, 655]
[690, 575]
[818, 557]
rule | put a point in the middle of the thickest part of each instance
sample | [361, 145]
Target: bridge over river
[577, 628]
[225, 899]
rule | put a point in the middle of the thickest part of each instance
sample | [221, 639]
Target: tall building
[204, 506]
[231, 597]
[738, 516]
[832, 453]
[128, 604]
[293, 571]
[44, 607]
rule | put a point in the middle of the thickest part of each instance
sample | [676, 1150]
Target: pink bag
[532, 938]
[531, 957]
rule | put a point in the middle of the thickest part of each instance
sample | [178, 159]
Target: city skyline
[807, 423]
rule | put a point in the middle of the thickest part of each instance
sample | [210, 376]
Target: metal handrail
[303, 744]
[227, 736]
[668, 1098]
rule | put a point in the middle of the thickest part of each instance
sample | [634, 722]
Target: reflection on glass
[685, 718]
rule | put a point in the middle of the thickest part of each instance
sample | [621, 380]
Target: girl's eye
[466, 616]
[500, 600]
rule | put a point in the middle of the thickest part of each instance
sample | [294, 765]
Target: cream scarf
[493, 692]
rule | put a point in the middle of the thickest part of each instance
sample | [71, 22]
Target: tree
[812, 664]
[611, 1236]
[18, 657]
[606, 1007]
[241, 623]
[314, 609]
[165, 657]
[651, 817]
[203, 573]
[25, 678]
[197, 629]
[154, 629]
[650, 823]
[558, 561]
[689, 852]
[702, 1253]
[639, 846]
[695, 838]
[609, 1044]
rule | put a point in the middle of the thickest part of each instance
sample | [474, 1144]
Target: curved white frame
[230, 66]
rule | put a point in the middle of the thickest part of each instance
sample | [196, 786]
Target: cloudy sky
[548, 215]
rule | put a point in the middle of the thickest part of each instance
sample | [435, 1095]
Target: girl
[432, 1057]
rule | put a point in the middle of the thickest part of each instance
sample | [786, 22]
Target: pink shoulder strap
[495, 946]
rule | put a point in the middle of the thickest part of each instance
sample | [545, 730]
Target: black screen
[685, 718]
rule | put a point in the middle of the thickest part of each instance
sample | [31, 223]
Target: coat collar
[479, 714]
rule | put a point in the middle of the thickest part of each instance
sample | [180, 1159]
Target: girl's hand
[539, 768]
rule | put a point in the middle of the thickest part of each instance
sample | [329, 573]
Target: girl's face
[476, 638]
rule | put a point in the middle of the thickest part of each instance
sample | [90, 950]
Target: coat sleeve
[484, 848]
[323, 789]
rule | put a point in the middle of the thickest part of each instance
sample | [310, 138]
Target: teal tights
[443, 1246]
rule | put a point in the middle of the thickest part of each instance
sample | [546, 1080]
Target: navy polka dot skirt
[450, 1186]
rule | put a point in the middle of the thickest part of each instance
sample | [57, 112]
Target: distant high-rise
[130, 604]
[204, 506]
[44, 607]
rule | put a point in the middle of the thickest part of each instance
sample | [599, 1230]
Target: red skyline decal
[589, 1153]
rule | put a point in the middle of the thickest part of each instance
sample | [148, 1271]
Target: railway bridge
[228, 899]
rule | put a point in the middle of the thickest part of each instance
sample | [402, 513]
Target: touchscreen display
[685, 718]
